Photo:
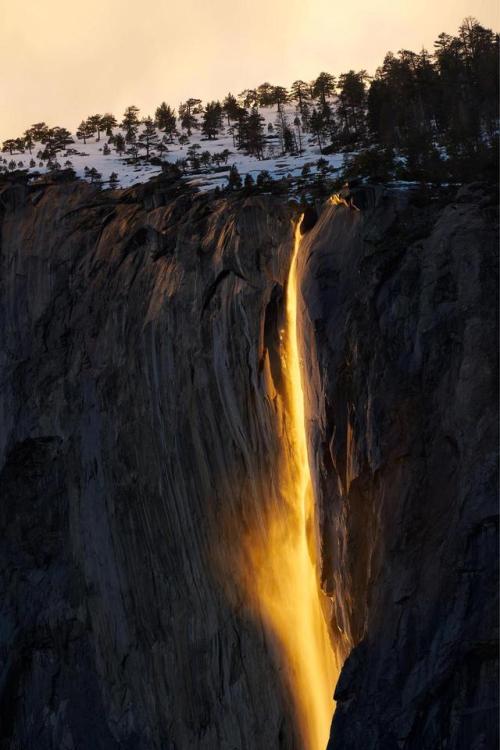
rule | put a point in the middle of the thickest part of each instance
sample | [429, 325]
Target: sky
[61, 61]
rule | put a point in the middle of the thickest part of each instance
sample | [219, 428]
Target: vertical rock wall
[400, 341]
[139, 433]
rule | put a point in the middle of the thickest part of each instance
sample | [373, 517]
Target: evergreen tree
[113, 180]
[323, 87]
[240, 130]
[38, 131]
[231, 108]
[249, 98]
[297, 124]
[187, 116]
[95, 176]
[289, 144]
[249, 183]
[28, 140]
[317, 127]
[120, 144]
[212, 119]
[148, 137]
[264, 180]
[255, 134]
[234, 179]
[94, 122]
[300, 93]
[166, 120]
[84, 131]
[279, 96]
[55, 140]
[130, 123]
[265, 95]
[10, 145]
[352, 102]
[193, 156]
[108, 122]
[133, 151]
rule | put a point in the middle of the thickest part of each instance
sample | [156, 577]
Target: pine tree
[206, 158]
[352, 102]
[289, 144]
[212, 120]
[55, 140]
[187, 112]
[113, 180]
[264, 180]
[240, 130]
[28, 140]
[193, 156]
[249, 183]
[9, 145]
[265, 94]
[95, 176]
[255, 134]
[133, 152]
[148, 137]
[279, 96]
[94, 122]
[166, 120]
[297, 124]
[234, 179]
[38, 131]
[84, 131]
[317, 126]
[323, 87]
[231, 108]
[120, 143]
[300, 92]
[108, 122]
[249, 98]
[130, 123]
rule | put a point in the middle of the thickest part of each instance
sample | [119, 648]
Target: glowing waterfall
[281, 577]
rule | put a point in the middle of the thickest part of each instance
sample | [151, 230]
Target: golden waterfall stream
[281, 580]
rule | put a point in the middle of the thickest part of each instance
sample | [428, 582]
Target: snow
[91, 155]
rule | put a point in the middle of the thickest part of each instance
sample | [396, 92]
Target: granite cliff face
[135, 413]
[400, 320]
[141, 427]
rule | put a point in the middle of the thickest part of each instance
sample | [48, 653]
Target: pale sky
[61, 61]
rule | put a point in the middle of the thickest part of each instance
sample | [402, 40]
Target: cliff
[135, 416]
[141, 428]
[400, 320]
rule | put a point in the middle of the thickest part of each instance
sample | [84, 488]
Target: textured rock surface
[140, 433]
[138, 335]
[400, 325]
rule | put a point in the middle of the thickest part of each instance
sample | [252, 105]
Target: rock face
[138, 336]
[400, 324]
[140, 434]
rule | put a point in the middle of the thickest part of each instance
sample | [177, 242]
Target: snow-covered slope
[129, 171]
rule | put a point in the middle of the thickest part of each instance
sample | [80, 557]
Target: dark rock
[141, 431]
[131, 425]
[309, 219]
[400, 324]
